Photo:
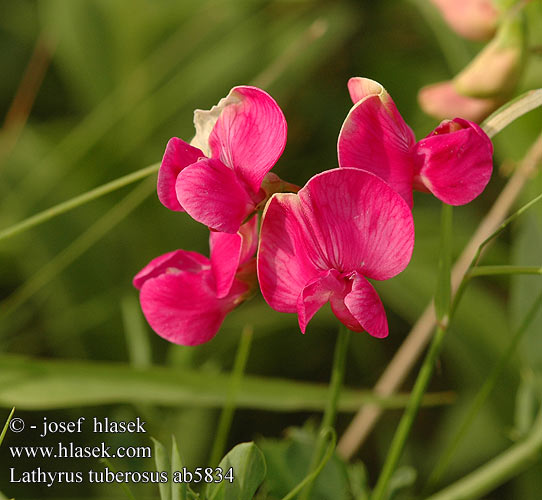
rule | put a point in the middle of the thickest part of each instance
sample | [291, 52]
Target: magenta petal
[211, 193]
[249, 135]
[178, 155]
[225, 254]
[316, 294]
[365, 306]
[455, 161]
[374, 137]
[183, 308]
[362, 87]
[286, 261]
[357, 223]
[173, 262]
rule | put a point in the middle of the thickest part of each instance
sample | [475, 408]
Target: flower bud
[442, 101]
[496, 69]
[472, 19]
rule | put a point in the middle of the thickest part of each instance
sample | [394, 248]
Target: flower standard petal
[286, 260]
[374, 137]
[249, 134]
[183, 307]
[455, 161]
[344, 223]
[359, 87]
[211, 194]
[178, 155]
[358, 222]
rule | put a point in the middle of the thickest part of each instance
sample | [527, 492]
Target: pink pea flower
[217, 178]
[454, 162]
[186, 296]
[442, 101]
[472, 19]
[321, 244]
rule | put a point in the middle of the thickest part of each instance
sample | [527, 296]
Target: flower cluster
[318, 244]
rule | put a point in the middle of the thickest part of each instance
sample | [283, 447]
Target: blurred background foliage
[120, 79]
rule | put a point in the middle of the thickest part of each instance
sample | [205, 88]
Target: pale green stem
[68, 205]
[226, 416]
[443, 308]
[499, 470]
[511, 111]
[330, 412]
[483, 394]
[498, 270]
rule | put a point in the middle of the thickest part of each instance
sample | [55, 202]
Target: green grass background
[124, 78]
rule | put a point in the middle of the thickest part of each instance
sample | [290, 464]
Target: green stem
[330, 412]
[499, 470]
[443, 311]
[68, 205]
[405, 425]
[226, 415]
[482, 395]
[498, 270]
[512, 110]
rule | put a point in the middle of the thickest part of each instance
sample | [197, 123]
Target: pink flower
[442, 101]
[186, 296]
[472, 19]
[217, 178]
[321, 245]
[454, 162]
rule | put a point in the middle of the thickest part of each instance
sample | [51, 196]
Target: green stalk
[226, 416]
[68, 205]
[511, 111]
[73, 251]
[500, 270]
[443, 308]
[482, 395]
[499, 470]
[330, 412]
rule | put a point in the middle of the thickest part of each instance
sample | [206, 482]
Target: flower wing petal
[358, 223]
[365, 306]
[249, 135]
[287, 260]
[374, 137]
[211, 194]
[184, 309]
[316, 294]
[455, 161]
[178, 155]
[225, 255]
[173, 262]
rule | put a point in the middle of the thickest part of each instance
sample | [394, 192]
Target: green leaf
[402, 478]
[178, 490]
[162, 464]
[248, 464]
[37, 384]
[288, 461]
